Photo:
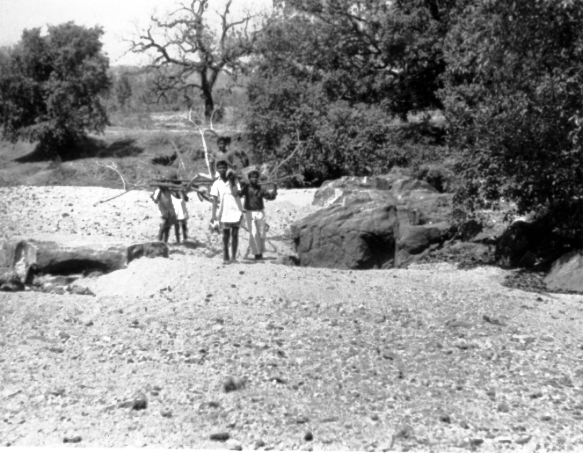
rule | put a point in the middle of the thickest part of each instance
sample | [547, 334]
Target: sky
[120, 19]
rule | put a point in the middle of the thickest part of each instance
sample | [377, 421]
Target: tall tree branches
[191, 46]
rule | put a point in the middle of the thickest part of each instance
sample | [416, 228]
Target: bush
[51, 88]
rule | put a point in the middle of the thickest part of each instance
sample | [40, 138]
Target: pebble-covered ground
[186, 353]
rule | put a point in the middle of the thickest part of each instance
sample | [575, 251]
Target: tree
[189, 54]
[317, 57]
[51, 88]
[514, 107]
[123, 91]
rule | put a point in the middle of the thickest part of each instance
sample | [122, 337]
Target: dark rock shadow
[88, 147]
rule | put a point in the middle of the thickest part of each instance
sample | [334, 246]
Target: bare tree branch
[183, 47]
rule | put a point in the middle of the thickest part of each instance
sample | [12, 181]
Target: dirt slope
[429, 358]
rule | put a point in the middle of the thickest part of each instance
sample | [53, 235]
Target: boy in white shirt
[179, 199]
[225, 194]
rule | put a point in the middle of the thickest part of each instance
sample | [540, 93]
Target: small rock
[64, 335]
[231, 385]
[259, 444]
[546, 418]
[523, 440]
[445, 418]
[503, 407]
[493, 320]
[56, 349]
[235, 445]
[140, 403]
[308, 437]
[476, 442]
[57, 392]
[220, 437]
[89, 323]
[166, 413]
[503, 440]
[72, 440]
[374, 417]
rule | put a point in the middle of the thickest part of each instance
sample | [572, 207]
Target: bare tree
[190, 51]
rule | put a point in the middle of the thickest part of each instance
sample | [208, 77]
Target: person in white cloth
[225, 194]
[179, 199]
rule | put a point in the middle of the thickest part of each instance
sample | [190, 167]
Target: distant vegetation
[482, 98]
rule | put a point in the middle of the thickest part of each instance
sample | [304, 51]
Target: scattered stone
[57, 392]
[503, 440]
[503, 407]
[494, 321]
[64, 335]
[445, 418]
[220, 437]
[259, 444]
[80, 290]
[476, 442]
[72, 440]
[329, 419]
[308, 437]
[523, 440]
[231, 385]
[56, 349]
[147, 250]
[139, 403]
[302, 420]
[546, 418]
[166, 413]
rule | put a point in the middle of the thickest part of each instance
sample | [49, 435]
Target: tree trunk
[207, 95]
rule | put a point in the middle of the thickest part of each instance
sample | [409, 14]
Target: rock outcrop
[566, 273]
[353, 235]
[410, 218]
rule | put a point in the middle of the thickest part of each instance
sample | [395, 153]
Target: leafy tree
[51, 88]
[320, 59]
[190, 54]
[514, 107]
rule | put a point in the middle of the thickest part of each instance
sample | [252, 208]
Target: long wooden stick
[117, 196]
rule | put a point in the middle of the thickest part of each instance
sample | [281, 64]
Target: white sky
[117, 17]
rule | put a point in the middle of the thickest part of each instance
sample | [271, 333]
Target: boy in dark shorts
[227, 209]
[255, 211]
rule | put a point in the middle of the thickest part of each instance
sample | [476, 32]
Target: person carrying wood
[254, 211]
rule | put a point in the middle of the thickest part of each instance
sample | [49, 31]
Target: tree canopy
[324, 65]
[51, 85]
[514, 106]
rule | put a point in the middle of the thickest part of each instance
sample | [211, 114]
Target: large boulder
[415, 241]
[57, 258]
[415, 218]
[352, 235]
[21, 260]
[566, 273]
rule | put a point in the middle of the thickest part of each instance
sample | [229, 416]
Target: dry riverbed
[185, 352]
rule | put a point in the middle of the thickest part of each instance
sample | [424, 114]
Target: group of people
[233, 201]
